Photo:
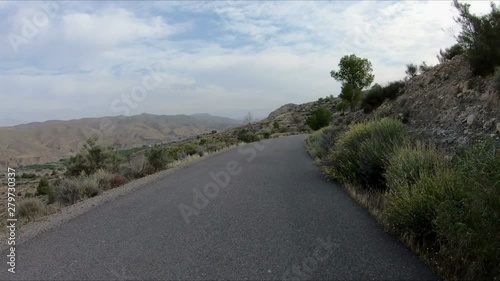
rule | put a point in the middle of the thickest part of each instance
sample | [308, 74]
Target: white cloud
[113, 27]
[262, 54]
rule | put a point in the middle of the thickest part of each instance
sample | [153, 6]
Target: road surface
[261, 211]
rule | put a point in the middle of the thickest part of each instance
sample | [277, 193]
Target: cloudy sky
[67, 60]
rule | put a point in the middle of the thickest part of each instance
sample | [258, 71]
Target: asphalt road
[272, 215]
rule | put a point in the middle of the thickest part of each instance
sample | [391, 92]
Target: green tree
[320, 118]
[355, 74]
[480, 35]
[351, 95]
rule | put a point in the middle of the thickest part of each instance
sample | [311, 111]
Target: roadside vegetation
[97, 168]
[448, 211]
[444, 207]
[320, 118]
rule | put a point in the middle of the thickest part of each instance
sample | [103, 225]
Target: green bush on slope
[456, 210]
[409, 162]
[320, 118]
[449, 211]
[360, 155]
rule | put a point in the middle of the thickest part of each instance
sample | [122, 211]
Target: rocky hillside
[292, 118]
[49, 141]
[447, 106]
[450, 106]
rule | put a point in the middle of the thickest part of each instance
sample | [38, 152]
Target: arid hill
[49, 141]
[447, 106]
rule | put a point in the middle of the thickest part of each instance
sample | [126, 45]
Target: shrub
[103, 179]
[71, 190]
[231, 141]
[43, 187]
[29, 195]
[318, 142]
[361, 154]
[468, 221]
[91, 158]
[480, 35]
[378, 94]
[118, 180]
[212, 147]
[411, 70]
[423, 68]
[245, 135]
[31, 208]
[200, 150]
[450, 53]
[456, 212]
[409, 162]
[148, 169]
[157, 158]
[181, 154]
[342, 106]
[413, 208]
[266, 135]
[189, 148]
[480, 161]
[320, 118]
[173, 153]
[89, 186]
[134, 169]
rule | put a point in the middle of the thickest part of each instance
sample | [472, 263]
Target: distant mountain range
[41, 142]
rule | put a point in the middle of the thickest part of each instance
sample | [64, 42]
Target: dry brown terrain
[36, 143]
